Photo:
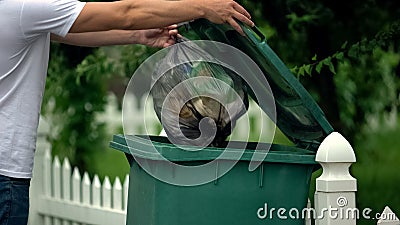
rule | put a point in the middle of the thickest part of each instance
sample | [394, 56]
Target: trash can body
[239, 197]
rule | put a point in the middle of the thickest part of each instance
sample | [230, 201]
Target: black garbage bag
[196, 100]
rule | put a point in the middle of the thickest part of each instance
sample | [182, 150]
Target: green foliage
[71, 108]
[364, 47]
[369, 89]
[76, 92]
[93, 66]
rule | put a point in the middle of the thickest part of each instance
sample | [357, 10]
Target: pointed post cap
[335, 148]
[388, 217]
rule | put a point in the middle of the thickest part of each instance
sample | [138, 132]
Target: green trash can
[275, 192]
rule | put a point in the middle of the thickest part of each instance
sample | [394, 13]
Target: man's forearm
[147, 14]
[150, 14]
[134, 15]
[101, 38]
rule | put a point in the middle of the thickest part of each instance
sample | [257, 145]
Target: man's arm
[152, 37]
[146, 14]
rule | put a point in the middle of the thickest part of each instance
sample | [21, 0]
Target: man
[28, 25]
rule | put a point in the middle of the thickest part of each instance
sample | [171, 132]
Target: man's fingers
[242, 15]
[173, 32]
[169, 42]
[243, 19]
[242, 10]
[236, 26]
[173, 26]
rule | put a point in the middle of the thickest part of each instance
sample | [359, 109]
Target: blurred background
[346, 54]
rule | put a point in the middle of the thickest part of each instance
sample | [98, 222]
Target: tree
[326, 34]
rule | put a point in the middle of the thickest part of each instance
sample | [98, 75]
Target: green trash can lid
[298, 115]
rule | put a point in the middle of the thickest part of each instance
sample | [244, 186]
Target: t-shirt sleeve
[49, 16]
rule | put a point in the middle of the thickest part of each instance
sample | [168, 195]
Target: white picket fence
[61, 196]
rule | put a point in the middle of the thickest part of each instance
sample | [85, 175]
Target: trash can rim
[138, 144]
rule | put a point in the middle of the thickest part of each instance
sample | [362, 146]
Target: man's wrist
[199, 8]
[136, 37]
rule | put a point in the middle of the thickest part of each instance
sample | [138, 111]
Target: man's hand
[219, 12]
[159, 38]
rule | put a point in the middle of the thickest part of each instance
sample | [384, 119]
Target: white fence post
[66, 182]
[106, 193]
[76, 188]
[335, 189]
[37, 186]
[56, 178]
[86, 190]
[96, 191]
[126, 191]
[46, 176]
[117, 194]
[307, 219]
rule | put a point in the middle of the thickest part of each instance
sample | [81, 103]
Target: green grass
[111, 163]
[377, 171]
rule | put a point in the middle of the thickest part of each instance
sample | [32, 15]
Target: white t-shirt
[24, 54]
